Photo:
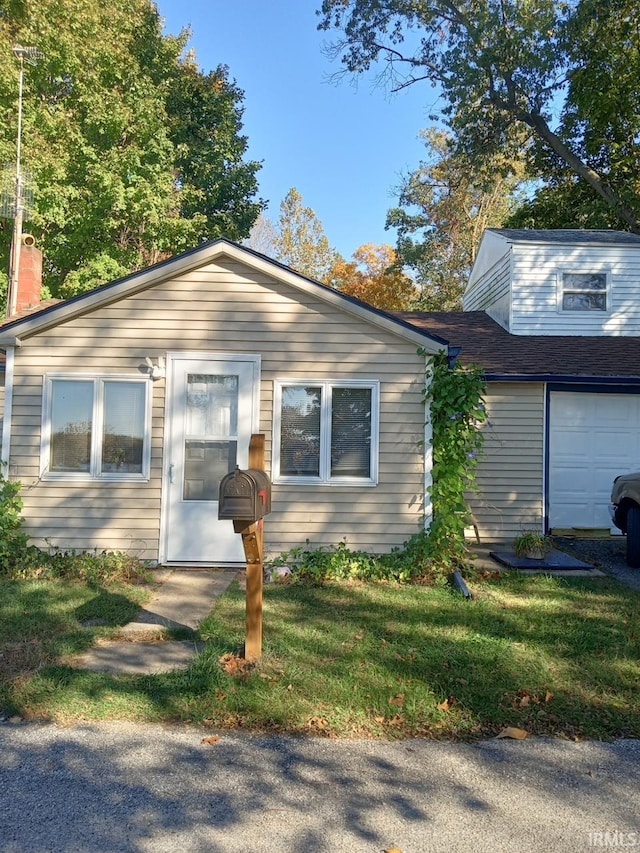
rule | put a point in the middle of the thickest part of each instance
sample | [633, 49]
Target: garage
[592, 437]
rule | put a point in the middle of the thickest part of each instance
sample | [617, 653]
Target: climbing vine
[456, 398]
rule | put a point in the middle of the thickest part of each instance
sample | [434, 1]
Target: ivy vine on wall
[456, 398]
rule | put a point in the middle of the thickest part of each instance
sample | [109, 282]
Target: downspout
[8, 406]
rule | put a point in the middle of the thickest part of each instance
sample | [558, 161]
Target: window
[95, 427]
[584, 291]
[326, 432]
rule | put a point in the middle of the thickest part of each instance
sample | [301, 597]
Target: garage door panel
[615, 411]
[592, 438]
[568, 479]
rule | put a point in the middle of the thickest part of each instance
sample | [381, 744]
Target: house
[553, 318]
[125, 406]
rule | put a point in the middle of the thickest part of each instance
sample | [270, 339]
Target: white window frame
[561, 290]
[325, 477]
[94, 473]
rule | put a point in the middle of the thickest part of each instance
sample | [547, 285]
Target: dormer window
[584, 291]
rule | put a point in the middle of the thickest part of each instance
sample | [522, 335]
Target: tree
[444, 207]
[499, 65]
[135, 154]
[301, 242]
[263, 237]
[601, 118]
[374, 277]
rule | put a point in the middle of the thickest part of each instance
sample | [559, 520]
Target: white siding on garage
[535, 291]
[491, 291]
[593, 437]
[225, 307]
[510, 473]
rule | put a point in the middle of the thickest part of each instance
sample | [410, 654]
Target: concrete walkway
[185, 597]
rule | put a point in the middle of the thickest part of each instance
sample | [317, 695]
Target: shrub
[413, 561]
[90, 567]
[13, 541]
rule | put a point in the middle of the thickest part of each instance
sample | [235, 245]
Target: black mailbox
[244, 495]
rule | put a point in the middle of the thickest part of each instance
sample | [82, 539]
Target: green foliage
[13, 541]
[89, 567]
[301, 242]
[135, 154]
[97, 271]
[341, 563]
[456, 397]
[444, 207]
[18, 559]
[502, 69]
[532, 541]
[600, 120]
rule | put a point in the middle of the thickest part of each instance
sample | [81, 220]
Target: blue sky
[344, 147]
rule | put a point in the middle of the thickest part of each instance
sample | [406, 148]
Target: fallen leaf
[379, 719]
[210, 740]
[513, 733]
[392, 850]
[398, 700]
[548, 697]
[235, 666]
[444, 706]
[524, 701]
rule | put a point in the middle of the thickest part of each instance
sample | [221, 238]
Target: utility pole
[30, 55]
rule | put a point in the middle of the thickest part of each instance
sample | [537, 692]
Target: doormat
[553, 560]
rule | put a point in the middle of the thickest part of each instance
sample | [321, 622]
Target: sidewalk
[184, 599]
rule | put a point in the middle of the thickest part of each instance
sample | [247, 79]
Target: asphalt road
[120, 787]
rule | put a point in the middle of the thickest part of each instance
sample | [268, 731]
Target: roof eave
[144, 279]
[563, 378]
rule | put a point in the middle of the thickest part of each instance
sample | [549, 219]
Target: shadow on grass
[545, 654]
[42, 621]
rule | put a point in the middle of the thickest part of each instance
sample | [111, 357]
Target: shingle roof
[499, 353]
[27, 312]
[568, 235]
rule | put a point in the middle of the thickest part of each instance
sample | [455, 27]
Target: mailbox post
[245, 498]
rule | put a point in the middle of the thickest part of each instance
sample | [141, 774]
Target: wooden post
[253, 543]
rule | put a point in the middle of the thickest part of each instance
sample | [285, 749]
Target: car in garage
[625, 512]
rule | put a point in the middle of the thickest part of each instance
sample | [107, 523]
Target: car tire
[633, 537]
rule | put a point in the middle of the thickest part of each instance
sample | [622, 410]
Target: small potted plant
[532, 545]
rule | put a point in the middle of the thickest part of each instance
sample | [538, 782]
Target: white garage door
[592, 438]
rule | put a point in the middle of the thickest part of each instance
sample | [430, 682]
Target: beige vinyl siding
[225, 308]
[510, 474]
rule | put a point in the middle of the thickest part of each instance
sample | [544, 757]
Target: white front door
[211, 411]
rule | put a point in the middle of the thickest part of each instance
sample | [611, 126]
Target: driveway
[122, 788]
[605, 554]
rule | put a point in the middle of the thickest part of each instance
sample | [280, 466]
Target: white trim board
[195, 259]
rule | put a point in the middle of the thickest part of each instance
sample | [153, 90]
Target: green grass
[550, 655]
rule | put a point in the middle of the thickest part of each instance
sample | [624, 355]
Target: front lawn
[548, 655]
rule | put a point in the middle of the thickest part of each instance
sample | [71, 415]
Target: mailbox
[244, 495]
